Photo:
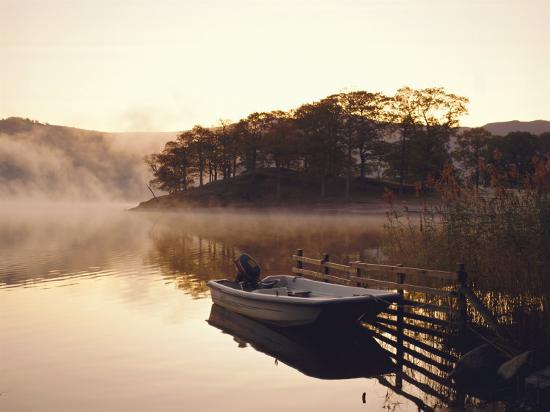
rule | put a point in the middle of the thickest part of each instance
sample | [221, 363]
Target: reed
[501, 233]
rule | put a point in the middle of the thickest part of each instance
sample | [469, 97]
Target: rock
[515, 367]
[475, 372]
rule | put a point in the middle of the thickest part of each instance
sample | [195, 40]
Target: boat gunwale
[305, 301]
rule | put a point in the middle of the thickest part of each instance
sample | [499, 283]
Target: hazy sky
[166, 65]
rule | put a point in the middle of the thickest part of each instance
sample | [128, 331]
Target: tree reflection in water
[194, 248]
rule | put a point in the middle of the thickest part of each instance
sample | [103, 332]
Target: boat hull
[284, 314]
[295, 311]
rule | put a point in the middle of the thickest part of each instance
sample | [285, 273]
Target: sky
[166, 65]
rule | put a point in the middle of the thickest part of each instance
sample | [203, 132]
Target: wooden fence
[418, 329]
[447, 299]
[450, 298]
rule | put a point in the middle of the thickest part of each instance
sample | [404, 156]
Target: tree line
[405, 137]
[512, 159]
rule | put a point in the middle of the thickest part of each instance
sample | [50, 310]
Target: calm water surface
[106, 310]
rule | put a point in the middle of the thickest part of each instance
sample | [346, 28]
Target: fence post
[400, 331]
[326, 258]
[299, 263]
[462, 302]
[358, 274]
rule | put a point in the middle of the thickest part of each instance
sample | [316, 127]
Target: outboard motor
[248, 272]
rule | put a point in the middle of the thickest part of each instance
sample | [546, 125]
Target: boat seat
[284, 291]
[299, 293]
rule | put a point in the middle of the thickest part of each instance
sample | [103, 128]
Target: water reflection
[343, 354]
[141, 263]
[50, 243]
[38, 246]
[193, 248]
[189, 260]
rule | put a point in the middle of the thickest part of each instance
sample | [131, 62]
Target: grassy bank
[270, 187]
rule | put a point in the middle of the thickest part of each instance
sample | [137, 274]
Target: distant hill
[503, 128]
[44, 161]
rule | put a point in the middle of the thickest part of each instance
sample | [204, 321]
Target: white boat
[296, 301]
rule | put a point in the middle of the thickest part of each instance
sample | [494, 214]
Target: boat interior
[295, 286]
[276, 287]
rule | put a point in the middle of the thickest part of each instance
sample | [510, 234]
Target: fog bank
[56, 163]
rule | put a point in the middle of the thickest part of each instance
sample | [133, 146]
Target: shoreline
[365, 208]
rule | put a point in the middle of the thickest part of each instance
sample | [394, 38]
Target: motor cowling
[248, 271]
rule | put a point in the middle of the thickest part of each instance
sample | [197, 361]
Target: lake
[103, 310]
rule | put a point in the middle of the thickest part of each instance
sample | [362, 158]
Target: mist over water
[38, 242]
[43, 162]
[103, 309]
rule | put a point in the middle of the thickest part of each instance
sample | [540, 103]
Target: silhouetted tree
[472, 150]
[227, 141]
[340, 135]
[425, 119]
[516, 150]
[364, 121]
[319, 124]
[198, 139]
[253, 129]
[173, 168]
[280, 144]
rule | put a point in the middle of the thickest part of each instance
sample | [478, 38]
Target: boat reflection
[343, 354]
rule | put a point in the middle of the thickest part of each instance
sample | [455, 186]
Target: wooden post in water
[299, 263]
[400, 331]
[462, 301]
[326, 258]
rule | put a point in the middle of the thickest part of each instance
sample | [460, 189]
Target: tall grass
[501, 233]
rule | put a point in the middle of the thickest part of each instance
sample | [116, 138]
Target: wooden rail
[362, 274]
[438, 274]
[412, 327]
[321, 276]
[376, 268]
[417, 355]
[415, 342]
[422, 318]
[415, 328]
[430, 307]
[457, 292]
